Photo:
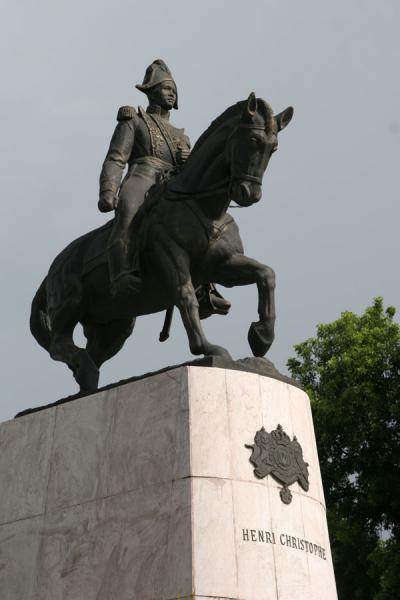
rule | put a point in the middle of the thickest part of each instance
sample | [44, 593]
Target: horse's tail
[39, 321]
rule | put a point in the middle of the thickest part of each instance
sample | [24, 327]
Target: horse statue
[183, 238]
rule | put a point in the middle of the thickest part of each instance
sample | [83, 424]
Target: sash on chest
[159, 134]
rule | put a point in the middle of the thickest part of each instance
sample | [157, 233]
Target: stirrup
[211, 302]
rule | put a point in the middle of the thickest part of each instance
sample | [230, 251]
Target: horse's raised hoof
[260, 338]
[87, 374]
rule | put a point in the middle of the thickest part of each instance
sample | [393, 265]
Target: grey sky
[331, 193]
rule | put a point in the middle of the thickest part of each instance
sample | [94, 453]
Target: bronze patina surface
[171, 239]
[277, 455]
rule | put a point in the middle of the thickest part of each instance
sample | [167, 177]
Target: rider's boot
[122, 280]
[211, 302]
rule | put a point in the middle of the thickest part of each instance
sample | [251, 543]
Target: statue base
[145, 491]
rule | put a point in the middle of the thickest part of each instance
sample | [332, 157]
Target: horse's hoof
[260, 338]
[87, 374]
[218, 351]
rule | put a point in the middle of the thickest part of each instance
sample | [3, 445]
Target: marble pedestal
[145, 492]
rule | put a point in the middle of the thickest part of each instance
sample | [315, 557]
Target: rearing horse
[183, 238]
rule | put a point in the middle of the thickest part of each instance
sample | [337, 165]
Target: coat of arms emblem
[277, 455]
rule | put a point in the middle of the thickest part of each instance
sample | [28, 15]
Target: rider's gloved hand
[182, 155]
[107, 203]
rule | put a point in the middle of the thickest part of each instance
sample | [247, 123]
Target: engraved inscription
[290, 541]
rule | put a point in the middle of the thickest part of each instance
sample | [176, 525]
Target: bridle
[245, 176]
[220, 186]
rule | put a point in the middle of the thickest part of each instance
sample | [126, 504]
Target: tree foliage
[351, 371]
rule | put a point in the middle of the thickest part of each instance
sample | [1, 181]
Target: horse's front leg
[241, 270]
[174, 268]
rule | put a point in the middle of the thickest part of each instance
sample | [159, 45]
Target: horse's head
[250, 146]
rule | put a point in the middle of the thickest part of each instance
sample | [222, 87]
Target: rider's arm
[183, 151]
[117, 156]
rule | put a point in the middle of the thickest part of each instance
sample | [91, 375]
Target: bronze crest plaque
[277, 455]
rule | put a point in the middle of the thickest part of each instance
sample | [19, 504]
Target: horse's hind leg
[62, 348]
[106, 339]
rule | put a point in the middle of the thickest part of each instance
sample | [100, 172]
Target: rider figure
[150, 146]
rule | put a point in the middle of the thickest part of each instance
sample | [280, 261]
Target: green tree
[351, 371]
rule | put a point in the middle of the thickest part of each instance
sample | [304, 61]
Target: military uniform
[145, 142]
[148, 145]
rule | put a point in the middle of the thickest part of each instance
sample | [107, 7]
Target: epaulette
[126, 113]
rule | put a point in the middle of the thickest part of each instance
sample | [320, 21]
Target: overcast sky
[329, 217]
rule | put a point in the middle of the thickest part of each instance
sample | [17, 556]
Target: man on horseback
[190, 239]
[151, 147]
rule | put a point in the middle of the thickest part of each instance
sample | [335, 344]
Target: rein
[245, 177]
[217, 187]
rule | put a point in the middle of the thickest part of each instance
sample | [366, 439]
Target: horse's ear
[284, 118]
[250, 107]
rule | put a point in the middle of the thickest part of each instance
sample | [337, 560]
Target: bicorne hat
[156, 73]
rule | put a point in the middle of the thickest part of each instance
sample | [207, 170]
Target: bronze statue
[152, 149]
[150, 146]
[183, 240]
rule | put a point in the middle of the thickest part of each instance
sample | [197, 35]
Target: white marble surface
[208, 422]
[256, 561]
[226, 410]
[214, 557]
[146, 491]
[143, 448]
[231, 406]
[19, 553]
[118, 547]
[80, 453]
[25, 450]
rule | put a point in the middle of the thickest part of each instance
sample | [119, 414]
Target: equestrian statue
[171, 239]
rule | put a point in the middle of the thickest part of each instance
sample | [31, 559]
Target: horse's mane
[231, 112]
[228, 120]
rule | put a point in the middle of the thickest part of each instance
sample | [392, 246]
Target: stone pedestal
[145, 492]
